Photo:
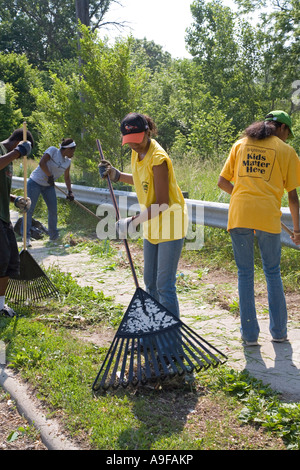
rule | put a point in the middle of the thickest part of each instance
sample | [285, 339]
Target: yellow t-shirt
[260, 170]
[172, 223]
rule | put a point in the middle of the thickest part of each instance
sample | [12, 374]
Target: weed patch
[61, 370]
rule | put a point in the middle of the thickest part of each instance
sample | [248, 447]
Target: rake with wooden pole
[78, 203]
[32, 284]
[151, 343]
[286, 229]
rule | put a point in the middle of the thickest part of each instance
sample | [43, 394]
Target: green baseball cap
[280, 116]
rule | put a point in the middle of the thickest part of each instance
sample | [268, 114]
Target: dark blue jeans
[48, 193]
[160, 267]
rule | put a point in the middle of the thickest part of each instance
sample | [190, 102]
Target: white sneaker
[28, 243]
[250, 343]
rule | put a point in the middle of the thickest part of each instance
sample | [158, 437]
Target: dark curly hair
[261, 129]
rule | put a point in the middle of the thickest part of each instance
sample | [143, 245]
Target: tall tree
[279, 22]
[226, 48]
[110, 89]
[46, 30]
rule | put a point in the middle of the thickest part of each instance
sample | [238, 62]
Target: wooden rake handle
[286, 229]
[78, 203]
[118, 217]
[25, 187]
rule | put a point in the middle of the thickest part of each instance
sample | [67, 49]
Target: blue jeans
[160, 267]
[48, 193]
[270, 250]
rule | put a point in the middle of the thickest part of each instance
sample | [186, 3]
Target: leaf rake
[151, 343]
[32, 284]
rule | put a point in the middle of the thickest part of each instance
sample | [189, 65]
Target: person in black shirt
[10, 149]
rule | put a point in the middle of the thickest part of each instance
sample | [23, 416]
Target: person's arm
[43, 164]
[68, 179]
[126, 178]
[8, 158]
[225, 185]
[294, 208]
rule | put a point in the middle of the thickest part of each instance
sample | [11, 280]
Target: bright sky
[161, 21]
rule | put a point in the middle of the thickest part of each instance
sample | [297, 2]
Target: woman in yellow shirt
[163, 209]
[261, 165]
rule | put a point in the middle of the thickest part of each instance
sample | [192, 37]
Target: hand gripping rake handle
[118, 217]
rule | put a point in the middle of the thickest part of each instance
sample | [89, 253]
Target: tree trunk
[82, 15]
[82, 11]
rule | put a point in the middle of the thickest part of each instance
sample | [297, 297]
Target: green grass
[217, 254]
[41, 346]
[78, 306]
[62, 370]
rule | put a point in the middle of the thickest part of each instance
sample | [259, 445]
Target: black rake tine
[174, 354]
[139, 364]
[162, 359]
[131, 365]
[112, 355]
[175, 335]
[206, 361]
[203, 356]
[46, 287]
[35, 290]
[192, 354]
[201, 340]
[115, 369]
[122, 374]
[178, 335]
[20, 292]
[104, 376]
[154, 360]
[147, 365]
[167, 354]
[147, 368]
[42, 286]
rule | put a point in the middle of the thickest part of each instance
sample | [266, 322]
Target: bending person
[54, 163]
[261, 166]
[163, 209]
[10, 149]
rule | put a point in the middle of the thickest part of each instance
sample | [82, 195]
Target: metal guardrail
[211, 214]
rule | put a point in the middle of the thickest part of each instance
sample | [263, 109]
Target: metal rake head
[152, 344]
